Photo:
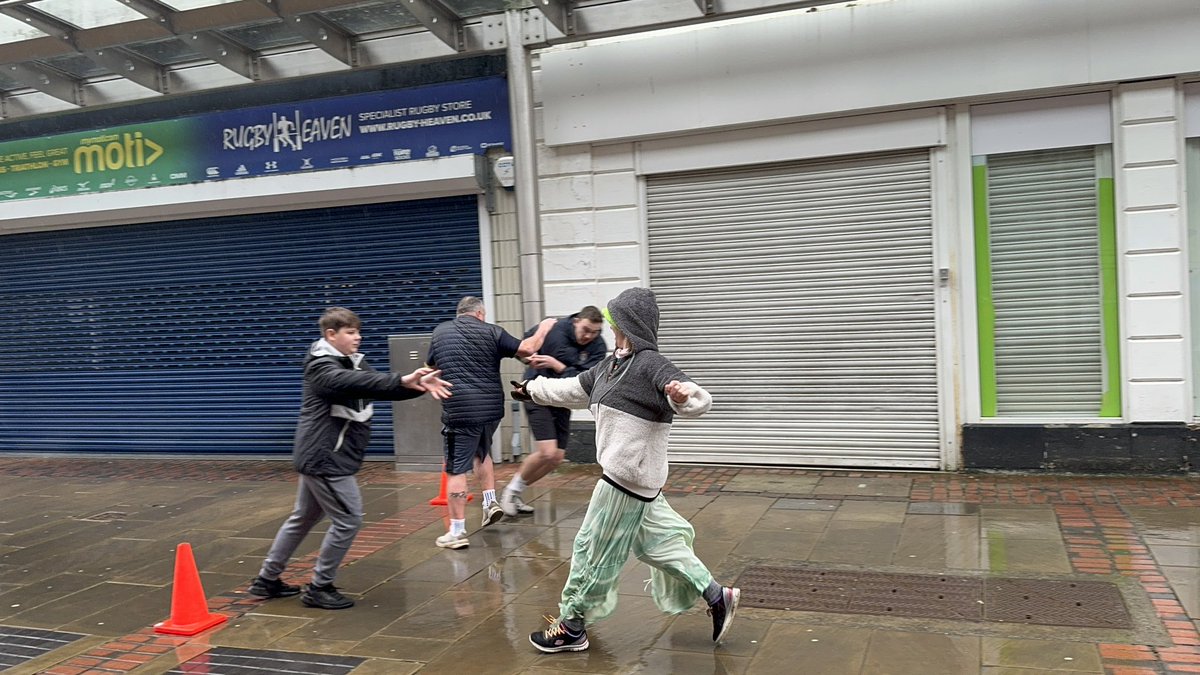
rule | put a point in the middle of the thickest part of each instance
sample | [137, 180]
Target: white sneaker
[451, 540]
[491, 514]
[512, 504]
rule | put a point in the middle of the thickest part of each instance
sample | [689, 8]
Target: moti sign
[455, 118]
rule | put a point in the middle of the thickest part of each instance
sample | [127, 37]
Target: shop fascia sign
[454, 118]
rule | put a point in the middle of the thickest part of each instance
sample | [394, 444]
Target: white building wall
[591, 224]
[1151, 236]
[851, 57]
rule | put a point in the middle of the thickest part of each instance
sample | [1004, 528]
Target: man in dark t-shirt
[572, 347]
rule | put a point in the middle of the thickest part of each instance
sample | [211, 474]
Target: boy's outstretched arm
[428, 379]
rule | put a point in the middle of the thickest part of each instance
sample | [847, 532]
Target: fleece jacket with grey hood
[335, 413]
[625, 395]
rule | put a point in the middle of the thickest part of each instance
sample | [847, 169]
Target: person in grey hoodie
[331, 439]
[634, 394]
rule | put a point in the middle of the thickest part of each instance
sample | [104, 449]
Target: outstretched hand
[428, 379]
[519, 393]
[678, 391]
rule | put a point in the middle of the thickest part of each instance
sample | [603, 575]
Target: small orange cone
[189, 606]
[440, 500]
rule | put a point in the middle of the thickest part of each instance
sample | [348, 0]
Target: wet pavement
[87, 556]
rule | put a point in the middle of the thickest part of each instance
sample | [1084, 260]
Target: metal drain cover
[18, 645]
[1092, 604]
[231, 661]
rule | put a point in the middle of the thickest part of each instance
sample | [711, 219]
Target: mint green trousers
[615, 525]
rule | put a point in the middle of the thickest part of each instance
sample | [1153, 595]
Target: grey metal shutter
[802, 297]
[188, 336]
[1044, 245]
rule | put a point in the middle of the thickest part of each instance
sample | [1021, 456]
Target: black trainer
[325, 597]
[559, 638]
[272, 588]
[722, 611]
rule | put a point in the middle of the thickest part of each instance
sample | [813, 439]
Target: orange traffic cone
[440, 500]
[189, 607]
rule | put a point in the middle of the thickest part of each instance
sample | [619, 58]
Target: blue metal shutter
[188, 336]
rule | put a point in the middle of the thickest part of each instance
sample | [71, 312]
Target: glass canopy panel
[7, 84]
[88, 14]
[77, 65]
[373, 18]
[183, 5]
[260, 36]
[12, 30]
[167, 52]
[478, 7]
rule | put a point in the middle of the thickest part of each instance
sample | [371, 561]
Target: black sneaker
[722, 611]
[325, 597]
[272, 588]
[559, 638]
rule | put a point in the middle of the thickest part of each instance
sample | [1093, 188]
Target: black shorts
[549, 423]
[464, 444]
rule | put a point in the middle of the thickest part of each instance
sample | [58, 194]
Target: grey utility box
[417, 422]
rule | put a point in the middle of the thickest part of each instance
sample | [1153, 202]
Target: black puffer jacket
[335, 415]
[468, 352]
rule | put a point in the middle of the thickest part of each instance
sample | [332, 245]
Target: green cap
[608, 317]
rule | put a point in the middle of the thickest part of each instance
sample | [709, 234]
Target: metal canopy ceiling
[63, 54]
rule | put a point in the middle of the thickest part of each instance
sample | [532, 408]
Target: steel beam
[439, 20]
[47, 81]
[324, 35]
[561, 13]
[133, 67]
[223, 51]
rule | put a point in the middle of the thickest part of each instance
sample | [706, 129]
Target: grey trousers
[335, 496]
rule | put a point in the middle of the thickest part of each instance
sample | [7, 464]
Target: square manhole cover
[1090, 604]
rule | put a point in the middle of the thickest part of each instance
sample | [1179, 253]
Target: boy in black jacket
[331, 438]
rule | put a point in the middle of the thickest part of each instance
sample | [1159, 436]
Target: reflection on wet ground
[90, 558]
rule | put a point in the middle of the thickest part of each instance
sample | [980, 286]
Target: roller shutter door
[188, 336]
[802, 297]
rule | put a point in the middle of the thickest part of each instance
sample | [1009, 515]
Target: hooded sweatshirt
[625, 395]
[335, 414]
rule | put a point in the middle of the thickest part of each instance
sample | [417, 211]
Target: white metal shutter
[802, 297]
[1044, 243]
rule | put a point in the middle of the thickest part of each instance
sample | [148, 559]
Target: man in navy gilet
[468, 351]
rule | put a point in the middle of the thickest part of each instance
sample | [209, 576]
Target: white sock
[458, 526]
[489, 496]
[517, 484]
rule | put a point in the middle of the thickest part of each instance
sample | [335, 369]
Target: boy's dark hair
[337, 318]
[591, 313]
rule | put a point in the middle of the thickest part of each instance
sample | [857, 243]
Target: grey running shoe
[491, 514]
[453, 541]
[512, 504]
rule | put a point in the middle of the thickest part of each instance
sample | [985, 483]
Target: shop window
[1045, 263]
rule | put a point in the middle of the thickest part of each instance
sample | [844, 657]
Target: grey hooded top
[633, 413]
